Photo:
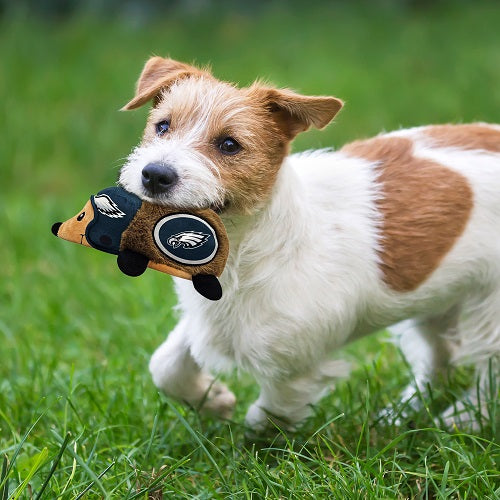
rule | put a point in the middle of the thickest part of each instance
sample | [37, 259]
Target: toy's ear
[158, 74]
[295, 113]
[74, 229]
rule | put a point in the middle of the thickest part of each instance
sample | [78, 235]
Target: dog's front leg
[285, 402]
[177, 374]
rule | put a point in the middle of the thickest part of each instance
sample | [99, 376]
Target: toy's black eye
[229, 146]
[162, 127]
[80, 217]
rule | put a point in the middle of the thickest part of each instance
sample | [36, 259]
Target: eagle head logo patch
[186, 238]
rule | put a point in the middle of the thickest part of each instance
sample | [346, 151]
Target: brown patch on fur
[267, 122]
[295, 113]
[248, 176]
[425, 208]
[159, 73]
[475, 136]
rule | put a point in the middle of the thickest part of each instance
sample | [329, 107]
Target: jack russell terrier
[325, 246]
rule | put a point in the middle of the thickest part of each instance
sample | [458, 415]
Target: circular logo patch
[186, 238]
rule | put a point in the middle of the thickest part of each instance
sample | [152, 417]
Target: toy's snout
[55, 228]
[74, 229]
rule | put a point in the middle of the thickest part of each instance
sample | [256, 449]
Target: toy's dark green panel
[114, 209]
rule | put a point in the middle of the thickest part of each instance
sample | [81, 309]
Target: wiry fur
[305, 270]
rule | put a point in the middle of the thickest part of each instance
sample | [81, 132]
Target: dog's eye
[162, 127]
[229, 146]
[80, 217]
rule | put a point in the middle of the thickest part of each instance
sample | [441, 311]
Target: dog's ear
[295, 113]
[159, 73]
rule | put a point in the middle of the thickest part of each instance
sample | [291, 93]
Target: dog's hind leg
[177, 374]
[426, 347]
[478, 343]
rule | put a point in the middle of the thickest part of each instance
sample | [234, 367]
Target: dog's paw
[219, 401]
[400, 413]
[256, 419]
[261, 421]
[460, 417]
[390, 416]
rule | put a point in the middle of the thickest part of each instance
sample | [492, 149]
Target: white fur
[303, 279]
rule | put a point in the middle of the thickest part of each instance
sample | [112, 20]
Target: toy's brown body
[191, 245]
[139, 237]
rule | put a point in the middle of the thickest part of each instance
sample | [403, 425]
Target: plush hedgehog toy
[190, 245]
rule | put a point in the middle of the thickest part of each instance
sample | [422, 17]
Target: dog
[325, 246]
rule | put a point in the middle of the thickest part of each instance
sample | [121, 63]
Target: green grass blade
[4, 489]
[40, 459]
[82, 464]
[444, 480]
[54, 466]
[18, 449]
[168, 470]
[197, 438]
[80, 495]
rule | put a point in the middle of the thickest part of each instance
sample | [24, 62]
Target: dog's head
[208, 143]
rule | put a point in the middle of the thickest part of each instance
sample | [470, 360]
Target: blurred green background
[75, 335]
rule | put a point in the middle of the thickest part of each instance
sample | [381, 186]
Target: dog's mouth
[219, 208]
[171, 198]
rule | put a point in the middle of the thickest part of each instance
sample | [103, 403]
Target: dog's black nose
[157, 178]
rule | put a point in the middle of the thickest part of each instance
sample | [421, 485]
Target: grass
[79, 415]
